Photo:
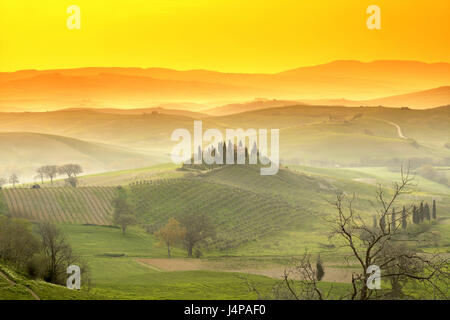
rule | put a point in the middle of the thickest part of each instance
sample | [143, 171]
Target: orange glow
[224, 35]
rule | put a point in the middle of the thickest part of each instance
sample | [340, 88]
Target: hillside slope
[24, 152]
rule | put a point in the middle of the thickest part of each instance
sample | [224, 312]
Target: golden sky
[223, 35]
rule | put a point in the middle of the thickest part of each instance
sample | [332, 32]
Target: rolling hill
[426, 99]
[106, 140]
[243, 205]
[24, 152]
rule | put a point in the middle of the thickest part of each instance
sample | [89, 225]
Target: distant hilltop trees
[13, 179]
[226, 154]
[49, 172]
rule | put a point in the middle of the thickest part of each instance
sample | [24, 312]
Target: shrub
[34, 267]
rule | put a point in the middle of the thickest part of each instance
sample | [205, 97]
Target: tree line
[50, 172]
[418, 215]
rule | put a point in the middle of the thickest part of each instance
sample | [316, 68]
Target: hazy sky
[223, 35]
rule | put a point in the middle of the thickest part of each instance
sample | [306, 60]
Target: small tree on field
[2, 182]
[123, 213]
[198, 228]
[171, 234]
[13, 179]
[320, 270]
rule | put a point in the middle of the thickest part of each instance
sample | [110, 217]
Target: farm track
[12, 283]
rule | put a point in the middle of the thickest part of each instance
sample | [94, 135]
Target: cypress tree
[383, 223]
[320, 271]
[434, 209]
[421, 212]
[426, 210]
[404, 222]
[414, 217]
[393, 217]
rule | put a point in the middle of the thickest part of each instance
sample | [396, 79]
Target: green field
[262, 223]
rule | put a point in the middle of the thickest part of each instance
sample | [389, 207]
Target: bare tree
[50, 171]
[40, 173]
[381, 246]
[198, 228]
[71, 170]
[57, 252]
[302, 280]
[13, 179]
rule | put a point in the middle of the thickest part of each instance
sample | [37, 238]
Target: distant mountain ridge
[140, 88]
[426, 99]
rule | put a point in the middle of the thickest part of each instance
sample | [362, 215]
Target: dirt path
[399, 130]
[12, 283]
[332, 274]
